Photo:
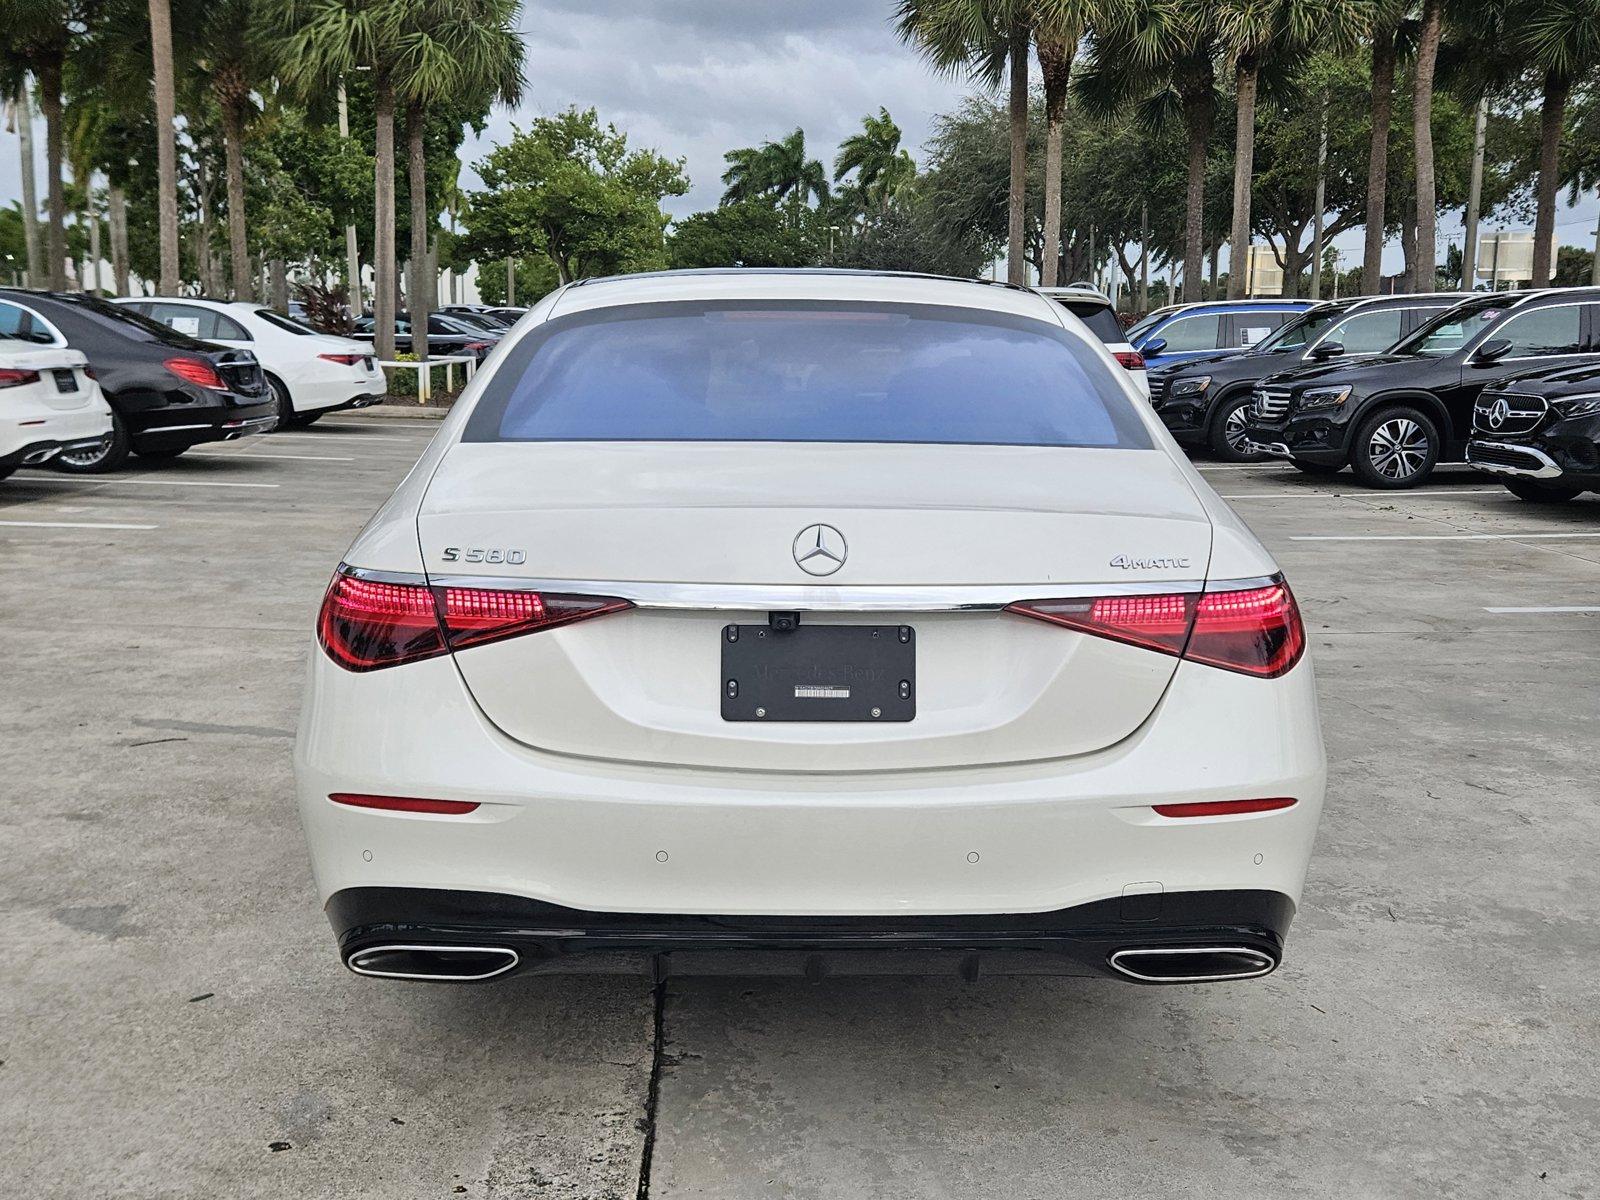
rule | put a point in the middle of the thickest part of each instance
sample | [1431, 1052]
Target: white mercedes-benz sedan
[775, 618]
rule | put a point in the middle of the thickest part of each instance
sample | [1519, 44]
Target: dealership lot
[174, 1021]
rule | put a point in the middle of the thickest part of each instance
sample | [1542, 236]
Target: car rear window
[805, 372]
[1102, 322]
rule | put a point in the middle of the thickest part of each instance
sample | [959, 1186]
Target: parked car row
[1391, 386]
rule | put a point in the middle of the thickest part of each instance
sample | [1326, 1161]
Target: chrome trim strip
[1548, 469]
[437, 948]
[767, 597]
[169, 429]
[1265, 963]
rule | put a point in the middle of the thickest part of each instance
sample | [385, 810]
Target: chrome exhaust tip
[1192, 964]
[437, 962]
[40, 456]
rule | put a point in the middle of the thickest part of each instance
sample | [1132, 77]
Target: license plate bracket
[863, 673]
[66, 380]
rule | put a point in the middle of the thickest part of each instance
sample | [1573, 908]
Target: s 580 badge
[480, 554]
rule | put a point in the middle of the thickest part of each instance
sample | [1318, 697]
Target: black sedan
[1540, 434]
[167, 391]
[447, 335]
[1206, 401]
[1393, 417]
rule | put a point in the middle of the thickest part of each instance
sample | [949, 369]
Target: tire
[1395, 448]
[280, 396]
[1225, 434]
[108, 456]
[1321, 470]
[162, 454]
[1536, 492]
[7, 472]
[302, 420]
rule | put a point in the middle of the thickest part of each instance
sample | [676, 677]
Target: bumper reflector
[1224, 808]
[411, 804]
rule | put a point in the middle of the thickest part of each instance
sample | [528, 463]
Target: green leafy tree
[569, 188]
[780, 172]
[746, 233]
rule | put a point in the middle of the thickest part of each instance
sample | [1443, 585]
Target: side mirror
[1325, 350]
[1493, 349]
[1154, 346]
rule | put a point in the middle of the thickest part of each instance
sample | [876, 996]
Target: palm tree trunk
[1244, 152]
[117, 214]
[94, 244]
[1551, 114]
[421, 272]
[55, 202]
[383, 221]
[1469, 247]
[1422, 134]
[166, 143]
[30, 192]
[1378, 158]
[1197, 120]
[202, 236]
[1055, 65]
[280, 286]
[1016, 261]
[238, 246]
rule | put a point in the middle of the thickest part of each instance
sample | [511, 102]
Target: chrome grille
[1271, 403]
[1508, 412]
[1502, 456]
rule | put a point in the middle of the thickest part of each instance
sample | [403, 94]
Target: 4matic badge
[1127, 562]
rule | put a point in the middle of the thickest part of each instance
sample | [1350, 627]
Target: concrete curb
[402, 408]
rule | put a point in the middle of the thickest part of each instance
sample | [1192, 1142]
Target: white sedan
[49, 402]
[823, 612]
[310, 373]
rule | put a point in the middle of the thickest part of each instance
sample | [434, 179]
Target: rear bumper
[325, 397]
[32, 454]
[46, 434]
[1081, 940]
[218, 419]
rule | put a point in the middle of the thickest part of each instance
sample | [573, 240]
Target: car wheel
[7, 472]
[1541, 493]
[302, 420]
[160, 454]
[107, 455]
[280, 396]
[1395, 448]
[1227, 432]
[1320, 469]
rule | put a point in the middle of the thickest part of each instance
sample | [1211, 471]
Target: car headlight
[1577, 406]
[1193, 385]
[1324, 397]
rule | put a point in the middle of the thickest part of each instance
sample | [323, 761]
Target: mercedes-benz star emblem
[1498, 412]
[820, 549]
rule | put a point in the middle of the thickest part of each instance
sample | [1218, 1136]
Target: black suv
[1394, 416]
[167, 391]
[1540, 433]
[1206, 401]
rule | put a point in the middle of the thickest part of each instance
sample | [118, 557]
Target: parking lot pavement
[172, 1009]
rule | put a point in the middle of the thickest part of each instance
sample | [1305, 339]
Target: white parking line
[285, 457]
[1549, 608]
[72, 525]
[1434, 537]
[371, 437]
[380, 422]
[104, 482]
[1364, 495]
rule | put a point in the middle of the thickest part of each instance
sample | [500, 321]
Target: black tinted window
[805, 372]
[1102, 322]
[1556, 329]
[18, 324]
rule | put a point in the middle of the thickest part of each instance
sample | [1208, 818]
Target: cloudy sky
[693, 78]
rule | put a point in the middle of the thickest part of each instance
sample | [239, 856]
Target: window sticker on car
[189, 325]
[1251, 334]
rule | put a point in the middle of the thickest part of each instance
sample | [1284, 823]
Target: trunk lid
[646, 685]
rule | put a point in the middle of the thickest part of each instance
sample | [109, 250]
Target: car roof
[802, 283]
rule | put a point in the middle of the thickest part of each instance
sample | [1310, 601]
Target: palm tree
[1161, 57]
[321, 42]
[1561, 41]
[777, 171]
[882, 168]
[21, 118]
[1424, 261]
[1385, 33]
[166, 143]
[986, 40]
[1256, 32]
[451, 51]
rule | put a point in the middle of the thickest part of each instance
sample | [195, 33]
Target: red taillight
[197, 372]
[11, 377]
[1224, 808]
[1256, 631]
[1131, 359]
[366, 624]
[412, 804]
[344, 360]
